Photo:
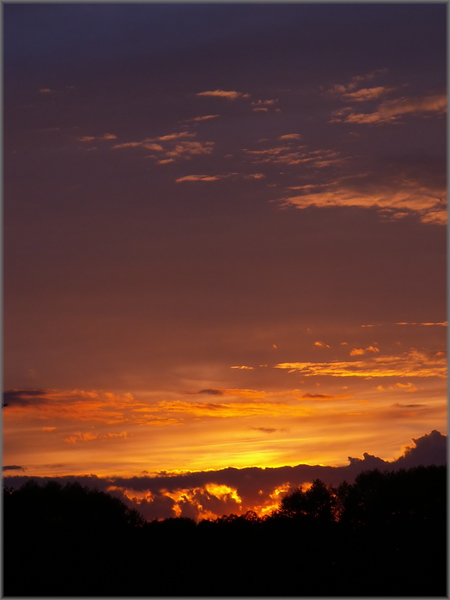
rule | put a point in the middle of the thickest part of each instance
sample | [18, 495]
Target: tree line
[383, 535]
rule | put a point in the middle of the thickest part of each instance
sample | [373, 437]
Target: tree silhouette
[318, 502]
[383, 535]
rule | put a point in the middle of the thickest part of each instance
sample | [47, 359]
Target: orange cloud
[235, 409]
[99, 138]
[294, 155]
[396, 199]
[200, 119]
[406, 387]
[209, 178]
[361, 351]
[341, 89]
[228, 95]
[290, 136]
[389, 110]
[78, 405]
[89, 436]
[175, 136]
[199, 178]
[366, 94]
[321, 345]
[410, 364]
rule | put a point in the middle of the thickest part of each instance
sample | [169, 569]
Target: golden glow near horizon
[217, 427]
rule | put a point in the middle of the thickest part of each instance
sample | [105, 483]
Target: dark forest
[383, 535]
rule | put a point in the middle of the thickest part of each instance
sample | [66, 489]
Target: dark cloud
[368, 462]
[212, 392]
[324, 396]
[13, 468]
[428, 450]
[266, 429]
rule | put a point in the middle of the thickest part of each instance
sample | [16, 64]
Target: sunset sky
[224, 235]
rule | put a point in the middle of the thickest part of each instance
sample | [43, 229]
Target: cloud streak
[396, 199]
[227, 95]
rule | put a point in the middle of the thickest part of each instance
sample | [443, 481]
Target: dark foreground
[385, 535]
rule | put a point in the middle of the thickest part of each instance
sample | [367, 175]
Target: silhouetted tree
[318, 502]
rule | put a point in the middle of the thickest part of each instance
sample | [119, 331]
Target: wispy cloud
[394, 199]
[366, 94]
[404, 323]
[171, 147]
[410, 364]
[106, 137]
[289, 136]
[201, 118]
[236, 409]
[340, 89]
[321, 397]
[228, 95]
[210, 178]
[89, 436]
[265, 106]
[389, 111]
[293, 154]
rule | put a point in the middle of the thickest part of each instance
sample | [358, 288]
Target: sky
[224, 239]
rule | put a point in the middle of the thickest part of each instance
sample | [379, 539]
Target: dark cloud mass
[13, 468]
[23, 397]
[197, 493]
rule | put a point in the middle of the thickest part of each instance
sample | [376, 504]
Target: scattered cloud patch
[265, 106]
[106, 137]
[362, 351]
[172, 147]
[322, 345]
